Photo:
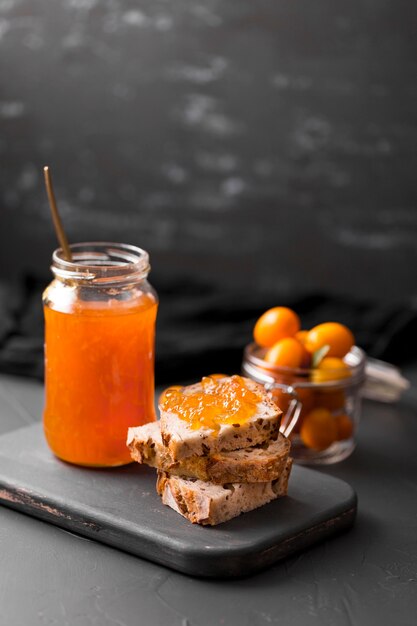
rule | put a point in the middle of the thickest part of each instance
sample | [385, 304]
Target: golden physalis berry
[301, 335]
[344, 427]
[332, 399]
[276, 324]
[337, 336]
[330, 368]
[319, 429]
[287, 352]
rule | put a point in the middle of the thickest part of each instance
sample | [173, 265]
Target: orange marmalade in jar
[100, 314]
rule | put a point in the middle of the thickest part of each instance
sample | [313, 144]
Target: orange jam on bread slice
[214, 402]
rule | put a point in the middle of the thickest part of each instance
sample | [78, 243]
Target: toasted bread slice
[183, 441]
[209, 504]
[263, 463]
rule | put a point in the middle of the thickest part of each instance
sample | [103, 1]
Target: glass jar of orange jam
[100, 314]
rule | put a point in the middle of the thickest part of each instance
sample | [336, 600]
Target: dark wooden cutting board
[120, 507]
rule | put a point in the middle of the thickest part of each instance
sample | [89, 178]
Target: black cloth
[203, 330]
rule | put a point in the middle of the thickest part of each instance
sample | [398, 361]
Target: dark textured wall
[238, 141]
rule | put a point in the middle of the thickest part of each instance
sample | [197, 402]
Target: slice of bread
[146, 445]
[183, 441]
[250, 465]
[208, 504]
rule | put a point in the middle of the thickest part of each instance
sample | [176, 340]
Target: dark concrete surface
[367, 576]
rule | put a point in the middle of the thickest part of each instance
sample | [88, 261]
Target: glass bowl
[321, 408]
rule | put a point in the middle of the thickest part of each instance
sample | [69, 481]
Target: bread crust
[249, 465]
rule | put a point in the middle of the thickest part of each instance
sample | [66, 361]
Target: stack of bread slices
[212, 476]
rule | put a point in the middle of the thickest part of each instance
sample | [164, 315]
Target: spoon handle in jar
[59, 229]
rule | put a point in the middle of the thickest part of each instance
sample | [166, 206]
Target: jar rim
[101, 262]
[355, 358]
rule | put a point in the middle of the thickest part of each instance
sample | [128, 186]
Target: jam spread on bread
[217, 400]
